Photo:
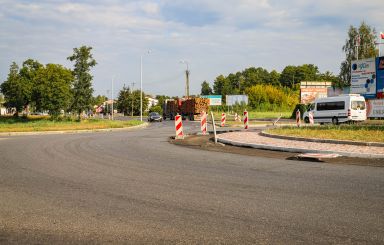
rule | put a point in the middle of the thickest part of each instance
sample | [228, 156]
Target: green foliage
[128, 101]
[17, 89]
[162, 98]
[82, 87]
[53, 88]
[270, 98]
[205, 88]
[302, 107]
[156, 108]
[99, 100]
[366, 49]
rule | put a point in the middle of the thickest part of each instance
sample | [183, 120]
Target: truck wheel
[335, 121]
[306, 120]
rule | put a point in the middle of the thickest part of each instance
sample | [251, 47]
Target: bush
[302, 107]
[271, 98]
[156, 108]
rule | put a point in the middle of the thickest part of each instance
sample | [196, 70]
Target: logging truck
[187, 108]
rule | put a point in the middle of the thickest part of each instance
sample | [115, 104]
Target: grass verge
[256, 115]
[36, 124]
[363, 133]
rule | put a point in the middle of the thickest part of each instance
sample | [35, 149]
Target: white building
[152, 102]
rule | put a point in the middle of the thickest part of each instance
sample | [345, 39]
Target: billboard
[380, 77]
[363, 77]
[375, 108]
[308, 95]
[213, 99]
[236, 99]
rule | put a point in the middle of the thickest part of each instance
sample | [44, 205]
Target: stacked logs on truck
[173, 106]
[195, 105]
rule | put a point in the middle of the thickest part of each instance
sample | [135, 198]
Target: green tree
[287, 77]
[99, 100]
[360, 44]
[205, 88]
[16, 90]
[162, 98]
[128, 101]
[53, 88]
[222, 86]
[274, 78]
[82, 87]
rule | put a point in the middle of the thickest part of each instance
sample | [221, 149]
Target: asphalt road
[135, 187]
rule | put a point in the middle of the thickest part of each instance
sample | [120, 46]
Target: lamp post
[113, 78]
[186, 78]
[141, 85]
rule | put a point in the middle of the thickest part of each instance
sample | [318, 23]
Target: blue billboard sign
[380, 77]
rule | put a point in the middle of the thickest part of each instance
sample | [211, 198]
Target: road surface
[135, 187]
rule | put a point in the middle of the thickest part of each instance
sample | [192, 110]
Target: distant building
[152, 102]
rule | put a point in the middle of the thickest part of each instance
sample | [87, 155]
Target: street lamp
[141, 85]
[186, 78]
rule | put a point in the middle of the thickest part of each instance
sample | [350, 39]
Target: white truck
[338, 109]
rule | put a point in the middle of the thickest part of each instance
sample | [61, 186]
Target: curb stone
[144, 125]
[344, 142]
[297, 150]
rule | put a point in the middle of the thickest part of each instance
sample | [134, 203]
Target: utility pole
[187, 72]
[187, 82]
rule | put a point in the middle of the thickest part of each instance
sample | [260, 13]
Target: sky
[213, 37]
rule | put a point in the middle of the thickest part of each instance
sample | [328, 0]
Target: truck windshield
[358, 105]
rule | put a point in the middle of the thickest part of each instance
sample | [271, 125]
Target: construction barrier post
[222, 120]
[311, 121]
[179, 127]
[298, 116]
[245, 119]
[203, 122]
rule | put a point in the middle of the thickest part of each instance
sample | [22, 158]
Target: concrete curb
[344, 142]
[145, 124]
[297, 150]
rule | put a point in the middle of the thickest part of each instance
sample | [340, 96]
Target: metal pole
[112, 96]
[214, 127]
[141, 88]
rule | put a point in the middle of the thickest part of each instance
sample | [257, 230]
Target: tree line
[51, 87]
[267, 90]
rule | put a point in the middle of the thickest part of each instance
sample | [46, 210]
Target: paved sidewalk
[255, 140]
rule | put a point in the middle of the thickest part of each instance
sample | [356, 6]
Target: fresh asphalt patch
[205, 142]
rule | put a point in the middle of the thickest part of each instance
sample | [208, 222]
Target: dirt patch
[206, 143]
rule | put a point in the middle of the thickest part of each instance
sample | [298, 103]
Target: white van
[338, 109]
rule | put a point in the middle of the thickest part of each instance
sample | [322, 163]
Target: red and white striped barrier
[245, 120]
[179, 127]
[311, 121]
[298, 121]
[203, 122]
[223, 117]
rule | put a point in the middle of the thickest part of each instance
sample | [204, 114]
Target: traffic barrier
[203, 122]
[222, 120]
[179, 127]
[311, 121]
[245, 120]
[298, 122]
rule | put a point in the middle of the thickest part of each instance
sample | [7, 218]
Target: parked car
[154, 117]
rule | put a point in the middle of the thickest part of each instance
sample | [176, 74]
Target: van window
[358, 105]
[329, 106]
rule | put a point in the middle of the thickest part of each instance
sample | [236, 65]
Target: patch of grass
[364, 133]
[256, 115]
[44, 123]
